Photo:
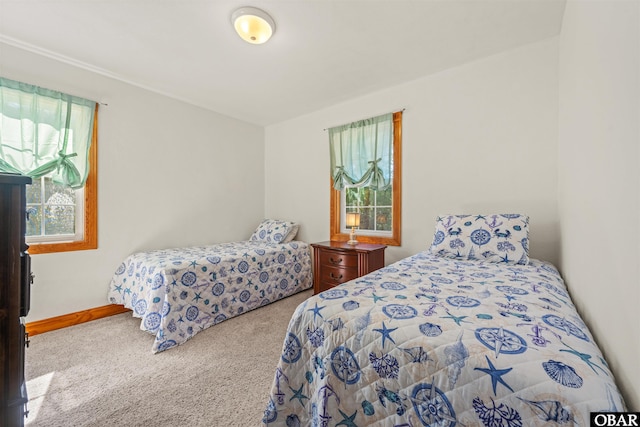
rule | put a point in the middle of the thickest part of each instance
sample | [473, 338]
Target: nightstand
[338, 262]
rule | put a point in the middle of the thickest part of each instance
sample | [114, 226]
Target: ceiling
[323, 52]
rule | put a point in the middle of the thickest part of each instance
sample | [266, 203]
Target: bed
[471, 332]
[179, 292]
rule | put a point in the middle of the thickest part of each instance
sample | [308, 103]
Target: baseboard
[59, 322]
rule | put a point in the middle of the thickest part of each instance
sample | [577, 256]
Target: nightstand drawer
[337, 275]
[338, 259]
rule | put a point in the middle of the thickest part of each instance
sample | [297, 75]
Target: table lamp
[352, 220]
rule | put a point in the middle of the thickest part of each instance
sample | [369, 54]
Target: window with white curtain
[51, 137]
[366, 178]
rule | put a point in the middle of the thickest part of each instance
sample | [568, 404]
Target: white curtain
[362, 153]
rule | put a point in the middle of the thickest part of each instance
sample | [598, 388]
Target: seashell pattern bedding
[435, 341]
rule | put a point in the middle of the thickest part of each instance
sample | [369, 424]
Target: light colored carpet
[103, 373]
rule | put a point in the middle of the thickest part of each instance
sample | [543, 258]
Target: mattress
[181, 291]
[433, 341]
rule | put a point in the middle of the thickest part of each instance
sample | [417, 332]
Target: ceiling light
[253, 25]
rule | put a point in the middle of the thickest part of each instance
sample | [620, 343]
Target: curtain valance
[362, 153]
[44, 132]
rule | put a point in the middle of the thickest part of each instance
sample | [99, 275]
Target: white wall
[599, 180]
[170, 174]
[477, 138]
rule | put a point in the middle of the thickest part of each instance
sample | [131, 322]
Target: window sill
[389, 241]
[47, 248]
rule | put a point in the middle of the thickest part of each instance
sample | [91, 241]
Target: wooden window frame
[335, 210]
[90, 239]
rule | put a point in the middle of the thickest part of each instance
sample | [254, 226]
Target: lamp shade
[352, 219]
[253, 25]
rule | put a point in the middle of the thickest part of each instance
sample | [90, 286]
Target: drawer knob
[334, 261]
[334, 277]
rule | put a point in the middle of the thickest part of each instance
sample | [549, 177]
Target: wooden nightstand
[338, 262]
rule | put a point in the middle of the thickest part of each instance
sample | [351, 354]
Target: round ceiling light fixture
[253, 25]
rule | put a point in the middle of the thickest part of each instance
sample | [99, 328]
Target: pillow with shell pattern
[491, 238]
[274, 231]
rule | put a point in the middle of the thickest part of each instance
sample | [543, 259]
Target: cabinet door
[25, 284]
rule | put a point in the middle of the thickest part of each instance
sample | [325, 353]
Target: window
[380, 209]
[52, 137]
[55, 234]
[54, 212]
[375, 208]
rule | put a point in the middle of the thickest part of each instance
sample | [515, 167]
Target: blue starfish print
[376, 298]
[193, 263]
[386, 333]
[347, 419]
[118, 288]
[496, 375]
[127, 290]
[197, 297]
[297, 394]
[174, 283]
[457, 319]
[479, 217]
[316, 311]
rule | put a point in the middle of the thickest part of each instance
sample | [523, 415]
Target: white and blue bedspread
[431, 341]
[179, 292]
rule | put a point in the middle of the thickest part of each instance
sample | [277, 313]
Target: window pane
[367, 196]
[34, 191]
[367, 219]
[384, 197]
[34, 223]
[352, 196]
[59, 209]
[383, 219]
[60, 219]
[58, 194]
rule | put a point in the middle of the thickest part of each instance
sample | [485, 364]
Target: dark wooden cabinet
[338, 262]
[15, 282]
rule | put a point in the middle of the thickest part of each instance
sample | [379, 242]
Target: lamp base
[352, 237]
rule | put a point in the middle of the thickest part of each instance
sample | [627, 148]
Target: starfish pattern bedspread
[432, 341]
[182, 291]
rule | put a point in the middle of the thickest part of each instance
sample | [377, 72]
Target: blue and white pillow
[274, 231]
[492, 238]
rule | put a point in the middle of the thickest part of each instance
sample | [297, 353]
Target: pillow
[274, 231]
[492, 238]
[292, 233]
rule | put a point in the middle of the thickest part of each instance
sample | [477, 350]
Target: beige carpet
[103, 373]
